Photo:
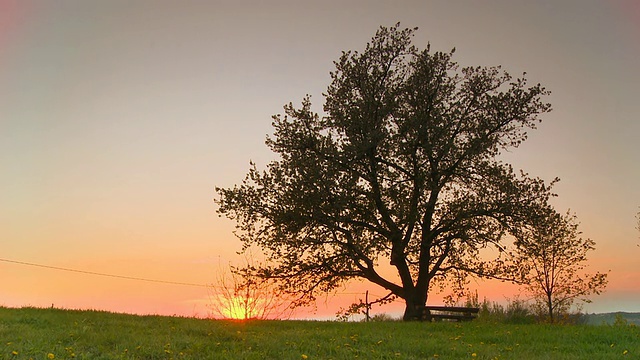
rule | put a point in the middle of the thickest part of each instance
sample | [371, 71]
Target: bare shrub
[240, 294]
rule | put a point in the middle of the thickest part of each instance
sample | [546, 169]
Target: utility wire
[133, 277]
[103, 274]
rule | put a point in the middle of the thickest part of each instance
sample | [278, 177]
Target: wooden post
[366, 303]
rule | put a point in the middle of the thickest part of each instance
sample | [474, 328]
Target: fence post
[367, 305]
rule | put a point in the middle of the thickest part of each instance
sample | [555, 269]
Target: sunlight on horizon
[241, 308]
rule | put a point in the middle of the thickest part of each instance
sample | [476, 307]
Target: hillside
[30, 333]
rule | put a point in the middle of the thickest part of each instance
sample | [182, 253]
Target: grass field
[45, 334]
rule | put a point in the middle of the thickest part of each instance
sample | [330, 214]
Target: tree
[402, 168]
[552, 258]
[239, 294]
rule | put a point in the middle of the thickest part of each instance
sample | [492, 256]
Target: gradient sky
[118, 118]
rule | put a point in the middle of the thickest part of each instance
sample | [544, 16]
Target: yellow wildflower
[14, 352]
[51, 356]
[304, 356]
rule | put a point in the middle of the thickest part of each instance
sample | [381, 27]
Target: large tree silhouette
[402, 169]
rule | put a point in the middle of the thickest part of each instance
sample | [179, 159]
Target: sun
[239, 308]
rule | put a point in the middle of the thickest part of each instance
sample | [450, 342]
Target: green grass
[39, 334]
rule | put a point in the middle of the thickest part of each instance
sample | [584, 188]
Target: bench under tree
[456, 313]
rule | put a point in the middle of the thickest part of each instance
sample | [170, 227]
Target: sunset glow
[240, 308]
[118, 120]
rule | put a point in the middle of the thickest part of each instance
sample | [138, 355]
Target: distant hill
[610, 318]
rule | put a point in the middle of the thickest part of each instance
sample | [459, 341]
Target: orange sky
[118, 119]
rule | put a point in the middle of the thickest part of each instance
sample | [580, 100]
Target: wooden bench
[438, 313]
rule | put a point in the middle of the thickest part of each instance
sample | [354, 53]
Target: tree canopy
[402, 168]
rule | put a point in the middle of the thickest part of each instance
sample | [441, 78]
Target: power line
[135, 278]
[102, 274]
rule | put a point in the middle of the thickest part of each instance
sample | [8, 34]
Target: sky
[119, 118]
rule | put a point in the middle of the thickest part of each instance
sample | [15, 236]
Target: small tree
[552, 258]
[240, 294]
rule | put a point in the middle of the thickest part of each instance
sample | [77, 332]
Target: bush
[516, 312]
[383, 317]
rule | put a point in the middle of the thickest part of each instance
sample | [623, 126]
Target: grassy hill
[42, 334]
[613, 318]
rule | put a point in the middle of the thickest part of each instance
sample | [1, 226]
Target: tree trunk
[414, 304]
[550, 308]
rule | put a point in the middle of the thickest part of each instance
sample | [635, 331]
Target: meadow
[43, 334]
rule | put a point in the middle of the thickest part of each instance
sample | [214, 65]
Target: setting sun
[240, 308]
